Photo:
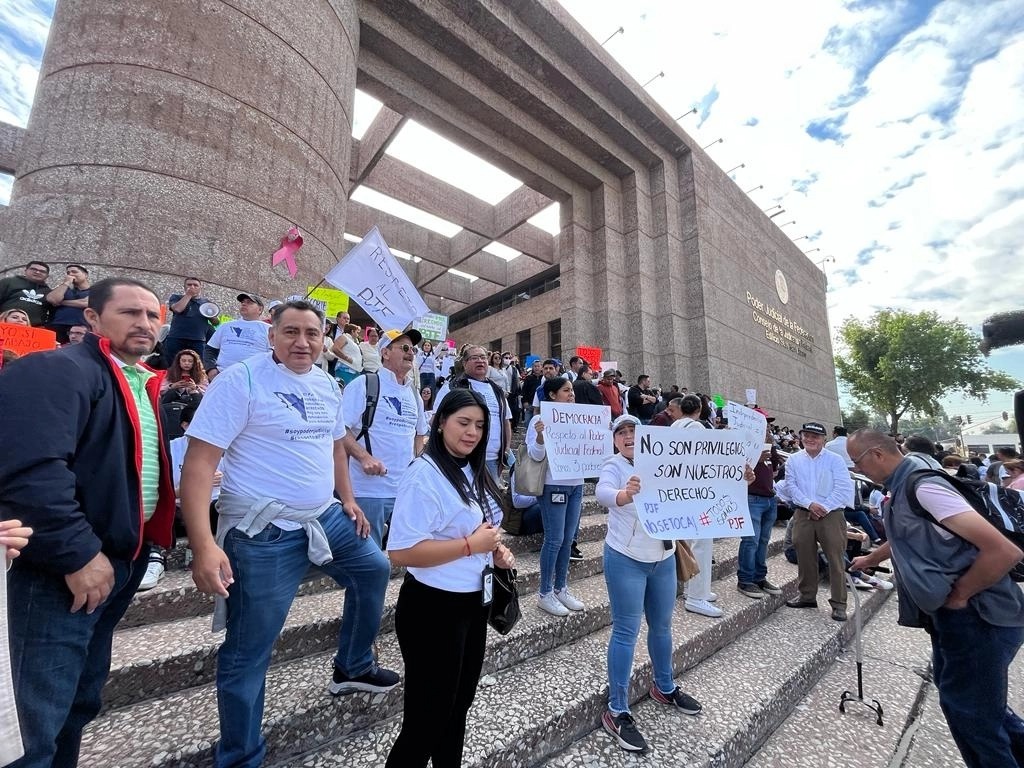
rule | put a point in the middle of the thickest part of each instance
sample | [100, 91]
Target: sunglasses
[403, 347]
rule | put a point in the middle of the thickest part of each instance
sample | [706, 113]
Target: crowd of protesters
[279, 439]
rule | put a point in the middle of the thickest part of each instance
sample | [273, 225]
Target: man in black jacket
[90, 475]
[642, 400]
[584, 389]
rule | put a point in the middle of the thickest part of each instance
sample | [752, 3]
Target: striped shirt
[137, 378]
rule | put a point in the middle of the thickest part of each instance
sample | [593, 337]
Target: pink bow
[290, 244]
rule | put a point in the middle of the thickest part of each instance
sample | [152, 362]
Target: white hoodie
[626, 533]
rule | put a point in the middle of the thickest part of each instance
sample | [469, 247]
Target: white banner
[10, 733]
[609, 365]
[751, 425]
[577, 438]
[371, 276]
[691, 483]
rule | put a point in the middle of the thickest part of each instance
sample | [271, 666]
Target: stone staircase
[542, 691]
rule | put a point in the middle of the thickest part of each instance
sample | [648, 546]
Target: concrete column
[185, 136]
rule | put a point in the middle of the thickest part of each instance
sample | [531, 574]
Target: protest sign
[591, 354]
[24, 339]
[330, 300]
[691, 483]
[371, 275]
[751, 425]
[577, 438]
[609, 365]
[10, 733]
[433, 326]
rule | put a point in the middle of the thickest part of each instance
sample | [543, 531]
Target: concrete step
[817, 733]
[535, 710]
[747, 690]
[176, 597]
[179, 727]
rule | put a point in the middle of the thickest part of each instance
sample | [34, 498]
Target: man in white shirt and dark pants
[379, 458]
[277, 420]
[236, 340]
[820, 486]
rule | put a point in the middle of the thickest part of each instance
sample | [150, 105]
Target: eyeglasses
[476, 357]
[859, 458]
[37, 269]
[403, 347]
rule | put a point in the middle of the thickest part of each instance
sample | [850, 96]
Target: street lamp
[754, 189]
[772, 208]
[802, 237]
[660, 74]
[691, 112]
[787, 223]
[777, 213]
[741, 165]
[716, 141]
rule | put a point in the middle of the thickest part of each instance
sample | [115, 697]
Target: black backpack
[372, 396]
[1002, 507]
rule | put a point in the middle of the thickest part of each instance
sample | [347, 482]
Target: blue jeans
[492, 467]
[533, 520]
[860, 518]
[970, 658]
[378, 514]
[753, 555]
[560, 519]
[60, 660]
[268, 569]
[638, 589]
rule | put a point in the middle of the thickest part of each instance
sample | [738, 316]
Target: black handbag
[505, 612]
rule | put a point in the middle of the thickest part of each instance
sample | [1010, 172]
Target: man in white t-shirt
[236, 340]
[277, 420]
[378, 458]
[474, 361]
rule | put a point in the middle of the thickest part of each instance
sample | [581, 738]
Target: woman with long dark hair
[561, 504]
[444, 530]
[186, 376]
[426, 364]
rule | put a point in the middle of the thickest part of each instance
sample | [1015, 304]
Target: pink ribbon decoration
[290, 244]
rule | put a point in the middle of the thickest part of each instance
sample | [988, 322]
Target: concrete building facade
[186, 137]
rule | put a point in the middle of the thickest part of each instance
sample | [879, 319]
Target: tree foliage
[901, 361]
[1000, 426]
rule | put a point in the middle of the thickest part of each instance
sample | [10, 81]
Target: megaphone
[209, 309]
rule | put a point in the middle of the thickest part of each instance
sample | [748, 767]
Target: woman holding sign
[640, 572]
[560, 506]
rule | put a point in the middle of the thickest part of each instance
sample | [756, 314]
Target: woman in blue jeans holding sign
[560, 506]
[641, 576]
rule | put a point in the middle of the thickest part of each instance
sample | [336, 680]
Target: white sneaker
[154, 572]
[551, 604]
[569, 600]
[878, 583]
[862, 584]
[703, 607]
[712, 597]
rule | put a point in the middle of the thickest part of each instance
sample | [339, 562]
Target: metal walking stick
[874, 704]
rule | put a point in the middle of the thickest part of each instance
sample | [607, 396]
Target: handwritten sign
[24, 339]
[330, 300]
[370, 274]
[751, 425]
[591, 354]
[609, 365]
[577, 438]
[691, 483]
[433, 326]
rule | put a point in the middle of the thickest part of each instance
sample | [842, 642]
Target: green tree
[900, 361]
[856, 418]
[1000, 426]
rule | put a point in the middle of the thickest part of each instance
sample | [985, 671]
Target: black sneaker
[768, 587]
[376, 680]
[575, 555]
[623, 729]
[681, 701]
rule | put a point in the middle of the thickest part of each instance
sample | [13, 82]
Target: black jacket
[71, 459]
[587, 393]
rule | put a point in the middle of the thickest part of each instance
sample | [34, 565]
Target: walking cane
[873, 705]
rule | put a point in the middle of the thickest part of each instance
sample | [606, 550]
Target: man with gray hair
[277, 420]
[952, 569]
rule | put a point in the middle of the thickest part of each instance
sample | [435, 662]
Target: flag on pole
[371, 276]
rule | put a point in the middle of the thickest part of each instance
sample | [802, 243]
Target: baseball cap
[814, 428]
[623, 420]
[388, 336]
[251, 296]
[608, 373]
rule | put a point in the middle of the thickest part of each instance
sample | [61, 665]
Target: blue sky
[891, 131]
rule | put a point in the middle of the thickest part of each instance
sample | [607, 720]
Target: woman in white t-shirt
[350, 357]
[371, 357]
[444, 530]
[426, 364]
[561, 504]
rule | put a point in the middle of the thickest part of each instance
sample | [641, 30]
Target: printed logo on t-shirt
[237, 331]
[295, 402]
[395, 403]
[32, 296]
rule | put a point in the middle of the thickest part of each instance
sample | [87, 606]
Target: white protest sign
[691, 483]
[609, 365]
[577, 438]
[10, 733]
[371, 276]
[433, 326]
[751, 424]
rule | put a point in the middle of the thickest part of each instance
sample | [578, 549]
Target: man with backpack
[386, 428]
[952, 565]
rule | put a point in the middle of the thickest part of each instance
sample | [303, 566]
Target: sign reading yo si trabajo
[691, 483]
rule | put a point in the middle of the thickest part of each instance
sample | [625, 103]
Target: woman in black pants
[444, 529]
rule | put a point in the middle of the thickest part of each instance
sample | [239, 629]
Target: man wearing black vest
[952, 570]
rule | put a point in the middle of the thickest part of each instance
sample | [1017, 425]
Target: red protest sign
[592, 355]
[24, 339]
